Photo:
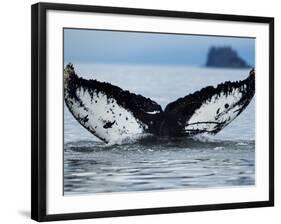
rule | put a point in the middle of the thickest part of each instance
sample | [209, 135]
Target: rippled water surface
[224, 160]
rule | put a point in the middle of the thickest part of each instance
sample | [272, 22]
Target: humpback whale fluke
[111, 113]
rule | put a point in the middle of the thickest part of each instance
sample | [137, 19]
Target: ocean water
[224, 160]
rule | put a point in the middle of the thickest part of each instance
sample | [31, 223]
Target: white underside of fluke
[104, 117]
[220, 108]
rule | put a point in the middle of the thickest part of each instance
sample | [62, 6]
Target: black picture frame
[39, 108]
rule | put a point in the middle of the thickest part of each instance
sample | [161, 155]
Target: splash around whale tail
[111, 113]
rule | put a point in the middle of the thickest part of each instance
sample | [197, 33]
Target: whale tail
[111, 113]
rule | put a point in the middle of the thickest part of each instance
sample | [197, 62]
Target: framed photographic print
[139, 111]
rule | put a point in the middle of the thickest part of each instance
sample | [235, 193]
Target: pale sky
[95, 46]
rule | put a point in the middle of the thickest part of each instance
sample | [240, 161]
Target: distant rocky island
[225, 57]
